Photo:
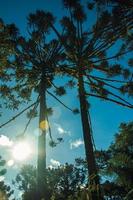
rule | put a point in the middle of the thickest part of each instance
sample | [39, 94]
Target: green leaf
[90, 6]
[52, 143]
[32, 113]
[49, 111]
[60, 91]
[3, 172]
[76, 111]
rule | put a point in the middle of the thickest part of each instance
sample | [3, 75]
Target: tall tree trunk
[41, 162]
[92, 169]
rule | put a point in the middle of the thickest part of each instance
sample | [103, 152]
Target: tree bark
[94, 185]
[41, 159]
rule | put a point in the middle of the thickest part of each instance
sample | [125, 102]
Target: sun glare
[21, 151]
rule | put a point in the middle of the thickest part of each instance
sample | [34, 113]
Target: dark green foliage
[2, 164]
[49, 111]
[130, 62]
[8, 37]
[76, 111]
[62, 182]
[32, 113]
[90, 6]
[39, 22]
[5, 190]
[60, 91]
[71, 84]
[117, 163]
[127, 88]
[52, 143]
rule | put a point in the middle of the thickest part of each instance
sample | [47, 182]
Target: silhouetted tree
[31, 68]
[86, 51]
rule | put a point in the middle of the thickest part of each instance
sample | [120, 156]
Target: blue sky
[106, 117]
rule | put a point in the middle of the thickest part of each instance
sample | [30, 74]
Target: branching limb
[115, 95]
[26, 127]
[112, 57]
[20, 113]
[110, 99]
[110, 93]
[56, 87]
[59, 101]
[101, 81]
[107, 79]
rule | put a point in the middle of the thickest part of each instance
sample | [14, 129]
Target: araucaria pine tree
[30, 68]
[87, 51]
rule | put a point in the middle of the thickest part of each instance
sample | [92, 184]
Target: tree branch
[106, 79]
[26, 127]
[112, 57]
[111, 93]
[20, 113]
[59, 100]
[109, 99]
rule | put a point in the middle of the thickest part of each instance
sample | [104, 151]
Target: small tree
[5, 190]
[61, 182]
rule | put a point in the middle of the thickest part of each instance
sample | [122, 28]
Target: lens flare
[21, 151]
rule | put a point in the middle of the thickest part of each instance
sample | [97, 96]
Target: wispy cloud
[5, 141]
[54, 163]
[76, 143]
[61, 130]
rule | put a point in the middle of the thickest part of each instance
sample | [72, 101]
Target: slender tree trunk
[92, 169]
[41, 162]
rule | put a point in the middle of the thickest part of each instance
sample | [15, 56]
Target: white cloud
[54, 163]
[61, 130]
[5, 141]
[76, 143]
[2, 178]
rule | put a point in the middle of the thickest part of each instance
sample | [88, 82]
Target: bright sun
[21, 151]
